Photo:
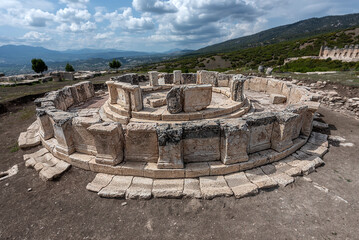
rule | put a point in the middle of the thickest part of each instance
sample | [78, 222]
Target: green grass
[14, 148]
[314, 65]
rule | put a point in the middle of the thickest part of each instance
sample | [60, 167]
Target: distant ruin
[347, 54]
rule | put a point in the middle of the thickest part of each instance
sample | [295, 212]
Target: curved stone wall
[181, 149]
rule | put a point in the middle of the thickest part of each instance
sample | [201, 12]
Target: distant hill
[301, 29]
[21, 54]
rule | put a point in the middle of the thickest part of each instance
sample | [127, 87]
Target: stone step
[115, 116]
[259, 178]
[214, 186]
[141, 188]
[117, 187]
[100, 181]
[168, 188]
[240, 185]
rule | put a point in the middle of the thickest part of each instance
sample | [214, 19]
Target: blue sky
[150, 25]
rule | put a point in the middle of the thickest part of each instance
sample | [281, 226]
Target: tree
[38, 65]
[114, 64]
[69, 68]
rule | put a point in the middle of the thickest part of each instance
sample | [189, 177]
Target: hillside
[268, 55]
[301, 29]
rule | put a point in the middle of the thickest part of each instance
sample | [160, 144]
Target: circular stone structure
[178, 126]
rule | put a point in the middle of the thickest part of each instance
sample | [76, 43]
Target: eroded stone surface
[100, 181]
[117, 187]
[141, 188]
[191, 188]
[240, 185]
[168, 188]
[214, 186]
[259, 178]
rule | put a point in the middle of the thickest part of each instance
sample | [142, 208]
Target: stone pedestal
[301, 110]
[112, 92]
[234, 141]
[141, 142]
[260, 127]
[236, 88]
[174, 100]
[177, 77]
[282, 131]
[153, 76]
[109, 142]
[62, 123]
[129, 96]
[170, 146]
[46, 129]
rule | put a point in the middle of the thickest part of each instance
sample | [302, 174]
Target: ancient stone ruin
[348, 53]
[191, 128]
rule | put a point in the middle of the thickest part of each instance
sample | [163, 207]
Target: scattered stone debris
[9, 173]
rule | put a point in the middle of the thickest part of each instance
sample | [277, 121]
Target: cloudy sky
[150, 25]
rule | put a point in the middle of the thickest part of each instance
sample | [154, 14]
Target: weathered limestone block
[282, 131]
[301, 110]
[234, 141]
[62, 123]
[84, 141]
[109, 142]
[240, 185]
[67, 76]
[170, 146]
[224, 79]
[168, 188]
[100, 181]
[153, 75]
[258, 84]
[141, 142]
[165, 78]
[117, 187]
[260, 127]
[81, 92]
[207, 77]
[214, 186]
[191, 188]
[177, 76]
[274, 86]
[141, 188]
[113, 94]
[196, 97]
[296, 95]
[259, 178]
[189, 78]
[174, 100]
[201, 141]
[53, 172]
[129, 96]
[131, 78]
[158, 102]
[286, 89]
[236, 87]
[277, 99]
[281, 178]
[46, 130]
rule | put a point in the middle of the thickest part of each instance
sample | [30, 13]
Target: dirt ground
[327, 208]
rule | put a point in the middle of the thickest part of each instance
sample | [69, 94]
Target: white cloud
[77, 27]
[38, 18]
[34, 36]
[72, 15]
[104, 35]
[154, 6]
[75, 3]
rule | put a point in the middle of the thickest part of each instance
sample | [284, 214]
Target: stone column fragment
[46, 129]
[109, 142]
[177, 75]
[174, 100]
[236, 88]
[112, 92]
[282, 131]
[234, 141]
[153, 76]
[260, 127]
[170, 146]
[207, 77]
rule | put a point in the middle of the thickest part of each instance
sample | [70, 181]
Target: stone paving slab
[281, 178]
[100, 181]
[287, 169]
[36, 154]
[319, 139]
[31, 137]
[141, 188]
[315, 150]
[197, 169]
[51, 173]
[259, 178]
[214, 186]
[117, 187]
[306, 166]
[191, 188]
[240, 185]
[168, 188]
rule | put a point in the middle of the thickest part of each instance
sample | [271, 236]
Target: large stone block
[84, 141]
[170, 146]
[174, 100]
[46, 129]
[113, 94]
[177, 77]
[207, 77]
[301, 110]
[131, 78]
[201, 141]
[153, 75]
[129, 96]
[236, 88]
[165, 78]
[260, 127]
[224, 79]
[189, 78]
[274, 86]
[196, 97]
[141, 142]
[234, 141]
[109, 141]
[282, 131]
[258, 84]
